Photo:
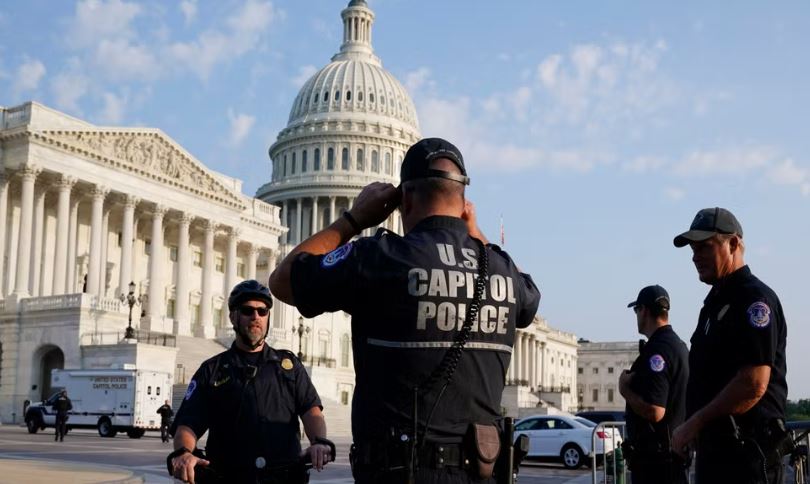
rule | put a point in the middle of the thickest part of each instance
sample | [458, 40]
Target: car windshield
[584, 421]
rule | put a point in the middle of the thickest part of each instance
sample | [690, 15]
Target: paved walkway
[37, 471]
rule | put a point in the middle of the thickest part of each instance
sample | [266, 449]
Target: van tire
[33, 422]
[134, 433]
[105, 427]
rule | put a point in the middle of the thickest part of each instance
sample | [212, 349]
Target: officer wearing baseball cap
[434, 314]
[655, 391]
[737, 392]
[249, 399]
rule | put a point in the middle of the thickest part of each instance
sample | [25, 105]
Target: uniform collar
[268, 353]
[731, 280]
[660, 331]
[440, 222]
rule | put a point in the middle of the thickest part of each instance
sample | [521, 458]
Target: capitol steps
[338, 418]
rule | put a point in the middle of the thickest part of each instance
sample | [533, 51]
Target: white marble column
[38, 236]
[253, 254]
[314, 216]
[105, 243]
[65, 185]
[4, 229]
[231, 261]
[271, 260]
[127, 236]
[182, 323]
[299, 218]
[532, 356]
[155, 302]
[285, 215]
[518, 354]
[96, 220]
[29, 176]
[542, 364]
[70, 274]
[206, 328]
[526, 357]
[332, 210]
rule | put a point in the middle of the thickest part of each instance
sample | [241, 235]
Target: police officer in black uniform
[165, 411]
[737, 391]
[249, 399]
[409, 297]
[655, 391]
[62, 406]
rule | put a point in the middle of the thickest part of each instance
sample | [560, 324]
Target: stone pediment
[149, 153]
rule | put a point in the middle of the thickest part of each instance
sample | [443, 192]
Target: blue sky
[596, 129]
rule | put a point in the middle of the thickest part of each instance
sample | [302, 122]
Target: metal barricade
[800, 432]
[614, 470]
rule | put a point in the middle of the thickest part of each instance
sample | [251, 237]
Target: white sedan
[564, 438]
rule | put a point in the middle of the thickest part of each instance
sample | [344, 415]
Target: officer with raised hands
[434, 314]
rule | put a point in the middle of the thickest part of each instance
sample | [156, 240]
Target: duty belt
[394, 456]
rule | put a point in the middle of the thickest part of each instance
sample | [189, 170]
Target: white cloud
[644, 164]
[28, 75]
[304, 73]
[114, 108]
[674, 194]
[547, 71]
[418, 79]
[189, 9]
[68, 89]
[99, 19]
[245, 29]
[125, 61]
[732, 161]
[241, 125]
[787, 172]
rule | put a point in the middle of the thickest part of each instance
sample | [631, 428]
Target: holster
[484, 441]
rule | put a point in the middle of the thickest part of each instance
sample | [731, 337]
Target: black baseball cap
[707, 223]
[651, 297]
[417, 160]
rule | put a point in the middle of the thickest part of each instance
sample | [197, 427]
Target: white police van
[111, 401]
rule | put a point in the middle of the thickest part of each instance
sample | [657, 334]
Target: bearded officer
[737, 391]
[409, 297]
[249, 399]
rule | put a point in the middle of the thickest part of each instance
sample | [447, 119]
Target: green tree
[798, 410]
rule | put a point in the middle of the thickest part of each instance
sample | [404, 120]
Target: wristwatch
[176, 453]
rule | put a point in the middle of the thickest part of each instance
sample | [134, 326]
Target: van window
[157, 390]
[149, 390]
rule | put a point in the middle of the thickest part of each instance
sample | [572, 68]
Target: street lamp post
[301, 330]
[131, 301]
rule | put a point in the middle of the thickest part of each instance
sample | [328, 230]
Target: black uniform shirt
[741, 324]
[62, 405]
[165, 412]
[408, 297]
[660, 374]
[250, 409]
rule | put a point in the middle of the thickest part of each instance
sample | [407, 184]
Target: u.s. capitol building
[88, 213]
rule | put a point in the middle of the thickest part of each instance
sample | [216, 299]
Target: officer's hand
[684, 435]
[468, 215]
[375, 203]
[319, 455]
[183, 466]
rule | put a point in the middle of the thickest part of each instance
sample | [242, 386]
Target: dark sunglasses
[248, 311]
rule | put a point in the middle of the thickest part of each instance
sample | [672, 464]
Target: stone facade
[600, 365]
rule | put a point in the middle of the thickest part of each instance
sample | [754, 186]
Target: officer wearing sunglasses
[249, 399]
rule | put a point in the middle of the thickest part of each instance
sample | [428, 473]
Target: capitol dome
[350, 124]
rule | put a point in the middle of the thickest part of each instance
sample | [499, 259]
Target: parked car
[599, 416]
[564, 438]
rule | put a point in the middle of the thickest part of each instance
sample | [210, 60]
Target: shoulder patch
[336, 256]
[759, 315]
[657, 363]
[192, 385]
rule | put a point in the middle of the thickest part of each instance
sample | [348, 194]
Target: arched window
[325, 96]
[316, 163]
[285, 165]
[304, 161]
[375, 162]
[361, 166]
[348, 96]
[345, 344]
[371, 97]
[360, 96]
[330, 159]
[294, 162]
[337, 95]
[388, 163]
[344, 159]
